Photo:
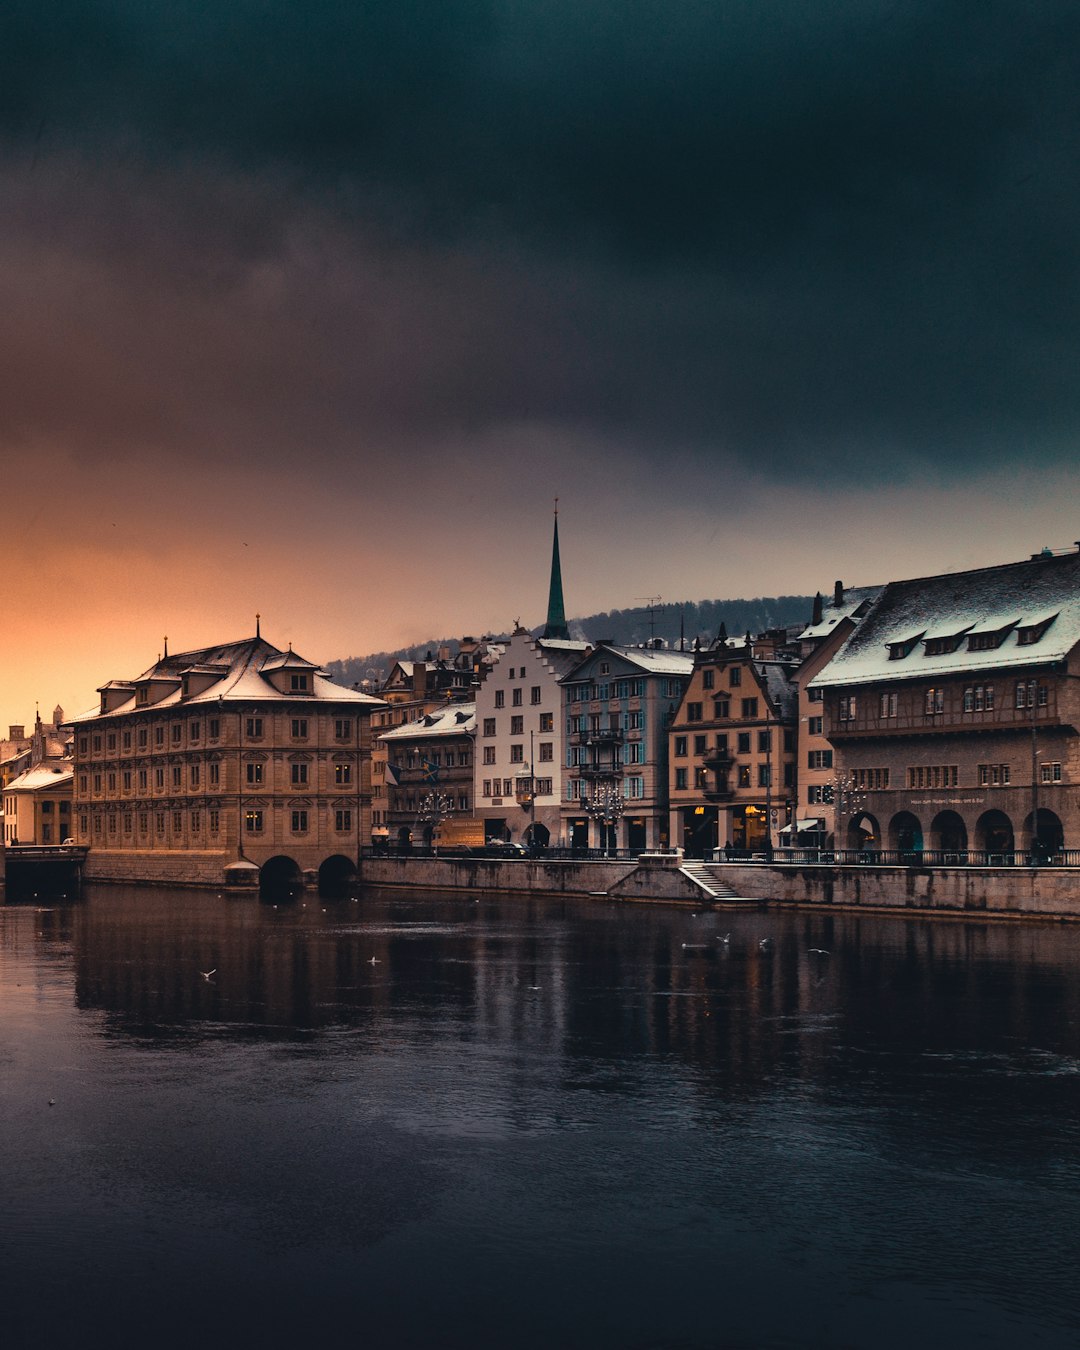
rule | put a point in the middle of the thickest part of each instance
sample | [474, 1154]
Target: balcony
[720, 794]
[610, 736]
[719, 761]
[598, 770]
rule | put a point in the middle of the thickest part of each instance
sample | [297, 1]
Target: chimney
[17, 733]
[818, 613]
[838, 594]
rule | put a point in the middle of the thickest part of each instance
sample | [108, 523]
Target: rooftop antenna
[651, 601]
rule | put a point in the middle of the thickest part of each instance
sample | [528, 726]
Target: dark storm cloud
[812, 231]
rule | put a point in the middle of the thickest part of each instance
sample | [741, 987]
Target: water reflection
[562, 1122]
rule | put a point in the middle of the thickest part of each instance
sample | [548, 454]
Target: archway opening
[994, 835]
[537, 835]
[1049, 839]
[336, 875]
[863, 833]
[279, 878]
[948, 833]
[404, 838]
[905, 833]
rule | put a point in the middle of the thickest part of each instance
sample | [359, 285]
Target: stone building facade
[954, 710]
[221, 762]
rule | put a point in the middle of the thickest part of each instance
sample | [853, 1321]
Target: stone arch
[994, 833]
[1049, 839]
[404, 837]
[905, 832]
[863, 832]
[279, 877]
[336, 874]
[537, 835]
[948, 833]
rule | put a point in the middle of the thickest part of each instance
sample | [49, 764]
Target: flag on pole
[393, 775]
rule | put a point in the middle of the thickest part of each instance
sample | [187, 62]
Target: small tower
[556, 612]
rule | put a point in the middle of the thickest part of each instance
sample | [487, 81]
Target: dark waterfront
[536, 1124]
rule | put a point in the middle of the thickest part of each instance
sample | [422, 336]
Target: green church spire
[556, 613]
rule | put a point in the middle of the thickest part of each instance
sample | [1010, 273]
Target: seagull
[534, 987]
[766, 944]
[695, 946]
[207, 973]
[375, 961]
[818, 951]
[725, 939]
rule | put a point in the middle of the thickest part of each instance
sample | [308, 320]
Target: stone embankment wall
[150, 868]
[1052, 891]
[496, 874]
[1005, 891]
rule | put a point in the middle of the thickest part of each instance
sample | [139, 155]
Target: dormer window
[299, 684]
[142, 695]
[940, 646]
[898, 650]
[1030, 633]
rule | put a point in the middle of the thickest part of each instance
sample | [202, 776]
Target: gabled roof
[1013, 616]
[648, 660]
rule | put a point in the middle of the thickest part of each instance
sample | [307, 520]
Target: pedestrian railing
[901, 857]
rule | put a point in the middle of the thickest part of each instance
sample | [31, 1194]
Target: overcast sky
[312, 308]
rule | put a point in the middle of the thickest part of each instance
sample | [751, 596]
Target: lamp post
[1035, 848]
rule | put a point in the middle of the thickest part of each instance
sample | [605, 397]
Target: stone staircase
[710, 877]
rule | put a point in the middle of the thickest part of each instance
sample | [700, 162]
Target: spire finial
[166, 656]
[556, 615]
[258, 618]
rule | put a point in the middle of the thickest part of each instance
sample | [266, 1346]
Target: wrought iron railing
[902, 857]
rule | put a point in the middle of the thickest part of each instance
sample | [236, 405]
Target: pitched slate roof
[455, 719]
[940, 625]
[244, 666]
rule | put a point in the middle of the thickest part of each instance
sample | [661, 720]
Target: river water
[425, 1121]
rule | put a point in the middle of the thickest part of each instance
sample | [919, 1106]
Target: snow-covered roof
[455, 719]
[245, 665]
[831, 614]
[42, 777]
[649, 660]
[1014, 616]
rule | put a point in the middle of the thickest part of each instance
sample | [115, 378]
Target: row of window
[139, 738]
[504, 787]
[634, 753]
[517, 697]
[721, 710]
[173, 777]
[977, 698]
[545, 753]
[933, 776]
[517, 724]
[624, 688]
[743, 742]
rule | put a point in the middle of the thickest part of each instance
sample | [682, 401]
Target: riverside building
[618, 703]
[229, 763]
[732, 748]
[954, 710]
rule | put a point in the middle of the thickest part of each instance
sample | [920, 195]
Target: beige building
[221, 764]
[37, 805]
[520, 739]
[732, 756]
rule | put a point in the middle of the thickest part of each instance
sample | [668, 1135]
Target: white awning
[803, 826]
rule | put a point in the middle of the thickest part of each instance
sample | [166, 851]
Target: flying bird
[207, 973]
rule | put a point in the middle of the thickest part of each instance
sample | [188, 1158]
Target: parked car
[506, 848]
